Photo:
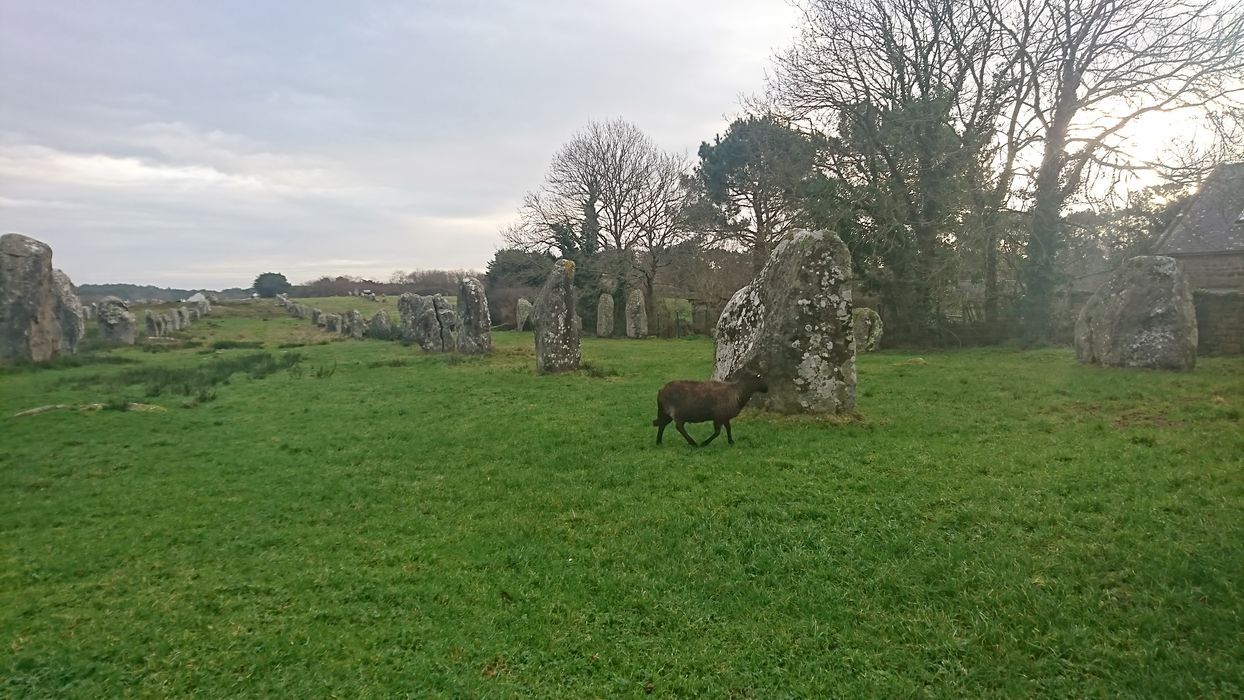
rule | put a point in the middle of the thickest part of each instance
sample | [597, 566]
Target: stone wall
[1220, 321]
[1216, 271]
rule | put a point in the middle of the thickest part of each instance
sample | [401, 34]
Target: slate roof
[1213, 222]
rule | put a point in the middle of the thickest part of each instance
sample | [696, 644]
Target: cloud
[213, 141]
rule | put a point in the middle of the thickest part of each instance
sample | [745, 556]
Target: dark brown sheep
[696, 402]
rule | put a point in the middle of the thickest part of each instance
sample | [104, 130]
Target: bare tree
[661, 221]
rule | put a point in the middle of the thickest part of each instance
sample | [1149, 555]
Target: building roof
[1213, 222]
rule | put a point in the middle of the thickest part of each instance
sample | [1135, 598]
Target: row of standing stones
[41, 317]
[427, 321]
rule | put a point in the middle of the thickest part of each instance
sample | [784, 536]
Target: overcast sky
[197, 144]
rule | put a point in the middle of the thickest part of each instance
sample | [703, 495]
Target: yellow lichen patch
[568, 268]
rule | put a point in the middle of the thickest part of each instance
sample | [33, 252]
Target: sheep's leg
[729, 437]
[716, 432]
[661, 423]
[683, 430]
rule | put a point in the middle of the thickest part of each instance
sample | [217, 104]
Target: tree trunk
[1044, 236]
[992, 330]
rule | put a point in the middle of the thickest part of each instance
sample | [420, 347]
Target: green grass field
[357, 519]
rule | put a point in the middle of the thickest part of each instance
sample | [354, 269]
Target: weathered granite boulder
[332, 323]
[315, 316]
[380, 326]
[429, 322]
[153, 326]
[636, 315]
[522, 315]
[29, 327]
[183, 317]
[174, 321]
[68, 312]
[205, 306]
[194, 314]
[88, 312]
[354, 324]
[868, 329]
[116, 322]
[165, 324]
[792, 325]
[604, 316]
[475, 324]
[553, 315]
[1141, 317]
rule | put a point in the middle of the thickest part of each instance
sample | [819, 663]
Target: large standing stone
[68, 312]
[604, 316]
[315, 316]
[430, 322]
[29, 328]
[165, 324]
[636, 315]
[116, 322]
[868, 329]
[174, 321]
[792, 326]
[355, 325]
[1141, 317]
[522, 315]
[183, 317]
[332, 323]
[194, 314]
[88, 312]
[553, 315]
[152, 324]
[475, 325]
[380, 326]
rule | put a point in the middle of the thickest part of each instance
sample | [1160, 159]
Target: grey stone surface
[332, 323]
[1143, 316]
[354, 324]
[868, 329]
[152, 324]
[522, 315]
[29, 327]
[380, 326]
[604, 316]
[475, 324]
[174, 321]
[636, 315]
[553, 315]
[116, 322]
[792, 326]
[68, 312]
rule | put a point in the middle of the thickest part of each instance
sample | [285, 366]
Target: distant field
[358, 519]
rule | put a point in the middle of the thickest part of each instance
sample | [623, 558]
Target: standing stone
[447, 324]
[355, 324]
[475, 324]
[792, 326]
[636, 315]
[553, 315]
[522, 315]
[868, 329]
[116, 322]
[88, 312]
[315, 316]
[68, 312]
[153, 326]
[29, 328]
[1141, 317]
[194, 314]
[604, 316]
[183, 317]
[409, 309]
[332, 323]
[165, 324]
[205, 306]
[380, 326]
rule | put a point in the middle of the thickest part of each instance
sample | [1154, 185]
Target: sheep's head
[751, 380]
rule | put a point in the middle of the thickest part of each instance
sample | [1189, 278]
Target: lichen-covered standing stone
[636, 315]
[354, 326]
[522, 315]
[29, 329]
[475, 324]
[332, 323]
[380, 326]
[868, 329]
[792, 325]
[553, 316]
[68, 312]
[153, 326]
[116, 322]
[1141, 317]
[604, 316]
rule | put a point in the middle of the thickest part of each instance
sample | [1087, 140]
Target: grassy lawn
[364, 520]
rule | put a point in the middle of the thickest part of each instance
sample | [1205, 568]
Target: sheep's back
[696, 402]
